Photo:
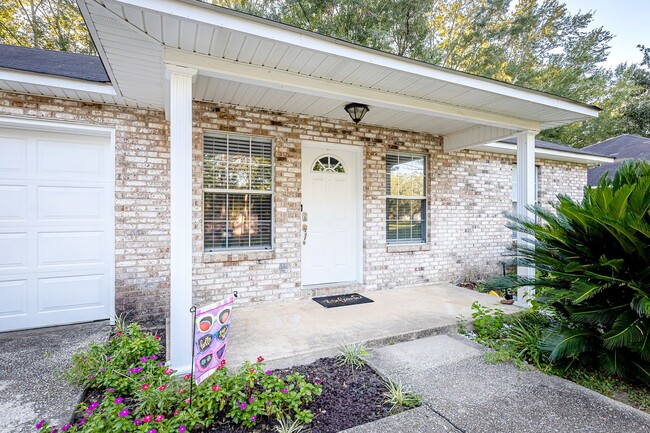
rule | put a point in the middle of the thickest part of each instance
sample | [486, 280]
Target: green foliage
[488, 322]
[352, 355]
[49, 24]
[400, 398]
[139, 392]
[595, 256]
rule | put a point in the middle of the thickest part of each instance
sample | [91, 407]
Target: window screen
[405, 198]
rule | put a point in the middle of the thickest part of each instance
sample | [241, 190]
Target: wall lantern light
[356, 111]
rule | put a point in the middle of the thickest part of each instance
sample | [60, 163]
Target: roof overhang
[253, 62]
[552, 154]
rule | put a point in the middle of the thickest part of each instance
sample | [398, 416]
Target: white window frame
[229, 191]
[422, 198]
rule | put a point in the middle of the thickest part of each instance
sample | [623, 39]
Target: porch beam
[475, 136]
[525, 198]
[293, 82]
[180, 125]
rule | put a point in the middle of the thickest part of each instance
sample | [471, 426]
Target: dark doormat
[342, 300]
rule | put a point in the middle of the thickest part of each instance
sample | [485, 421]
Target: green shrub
[488, 323]
[140, 393]
[595, 261]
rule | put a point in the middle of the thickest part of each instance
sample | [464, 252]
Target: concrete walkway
[31, 366]
[461, 392]
[299, 332]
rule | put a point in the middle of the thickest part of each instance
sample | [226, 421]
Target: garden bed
[130, 389]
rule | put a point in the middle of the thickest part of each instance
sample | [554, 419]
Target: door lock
[304, 230]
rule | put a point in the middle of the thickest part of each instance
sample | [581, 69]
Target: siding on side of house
[467, 195]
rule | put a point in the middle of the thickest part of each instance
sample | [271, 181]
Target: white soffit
[253, 62]
[542, 153]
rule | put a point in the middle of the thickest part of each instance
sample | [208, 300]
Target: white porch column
[180, 121]
[525, 197]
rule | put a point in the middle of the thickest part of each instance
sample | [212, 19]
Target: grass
[352, 355]
[399, 398]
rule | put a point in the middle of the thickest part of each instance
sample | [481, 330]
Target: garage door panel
[66, 249]
[13, 203]
[13, 252]
[14, 156]
[14, 294]
[70, 292]
[56, 227]
[70, 203]
[62, 159]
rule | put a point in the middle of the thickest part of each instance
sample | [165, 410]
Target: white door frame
[72, 128]
[325, 146]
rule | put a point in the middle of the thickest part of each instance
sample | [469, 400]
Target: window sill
[407, 248]
[237, 256]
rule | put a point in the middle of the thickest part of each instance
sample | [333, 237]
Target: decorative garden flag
[211, 330]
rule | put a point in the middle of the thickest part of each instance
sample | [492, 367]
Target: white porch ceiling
[248, 61]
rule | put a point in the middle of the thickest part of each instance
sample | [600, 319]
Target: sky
[627, 20]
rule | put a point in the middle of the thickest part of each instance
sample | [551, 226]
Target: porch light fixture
[357, 111]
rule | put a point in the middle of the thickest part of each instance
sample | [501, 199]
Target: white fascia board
[204, 13]
[37, 79]
[475, 136]
[557, 155]
[94, 36]
[288, 81]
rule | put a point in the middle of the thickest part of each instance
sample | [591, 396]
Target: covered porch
[166, 55]
[299, 332]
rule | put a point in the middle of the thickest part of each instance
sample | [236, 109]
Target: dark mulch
[350, 397]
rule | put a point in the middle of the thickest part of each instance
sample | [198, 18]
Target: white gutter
[552, 154]
[36, 79]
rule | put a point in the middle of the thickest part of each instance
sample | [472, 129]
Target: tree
[47, 24]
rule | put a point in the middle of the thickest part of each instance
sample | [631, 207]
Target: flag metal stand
[193, 311]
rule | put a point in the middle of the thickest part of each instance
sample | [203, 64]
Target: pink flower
[216, 388]
[160, 418]
[268, 372]
[252, 370]
[40, 424]
[157, 337]
[118, 400]
[284, 390]
[187, 376]
[242, 406]
[187, 400]
[168, 371]
[252, 399]
[260, 359]
[162, 387]
[318, 382]
[145, 386]
[176, 412]
[253, 418]
[182, 429]
[137, 421]
[147, 418]
[124, 412]
[110, 389]
[66, 427]
[182, 390]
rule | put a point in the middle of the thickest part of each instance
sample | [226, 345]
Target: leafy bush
[139, 393]
[352, 355]
[595, 261]
[488, 322]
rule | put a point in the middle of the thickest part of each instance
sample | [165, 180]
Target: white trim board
[552, 154]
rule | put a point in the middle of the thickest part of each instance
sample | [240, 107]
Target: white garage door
[56, 228]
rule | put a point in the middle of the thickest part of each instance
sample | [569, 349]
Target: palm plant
[594, 263]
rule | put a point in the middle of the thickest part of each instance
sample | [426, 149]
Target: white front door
[56, 228]
[331, 204]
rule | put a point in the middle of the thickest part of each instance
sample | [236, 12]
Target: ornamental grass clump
[593, 262]
[137, 393]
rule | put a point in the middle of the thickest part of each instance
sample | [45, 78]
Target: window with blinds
[405, 198]
[237, 192]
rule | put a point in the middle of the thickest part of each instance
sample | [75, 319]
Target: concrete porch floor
[299, 332]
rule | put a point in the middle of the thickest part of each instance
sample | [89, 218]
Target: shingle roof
[59, 63]
[624, 147]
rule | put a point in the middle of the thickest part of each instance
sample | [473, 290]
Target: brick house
[206, 151]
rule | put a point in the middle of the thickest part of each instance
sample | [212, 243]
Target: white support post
[525, 197]
[180, 121]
